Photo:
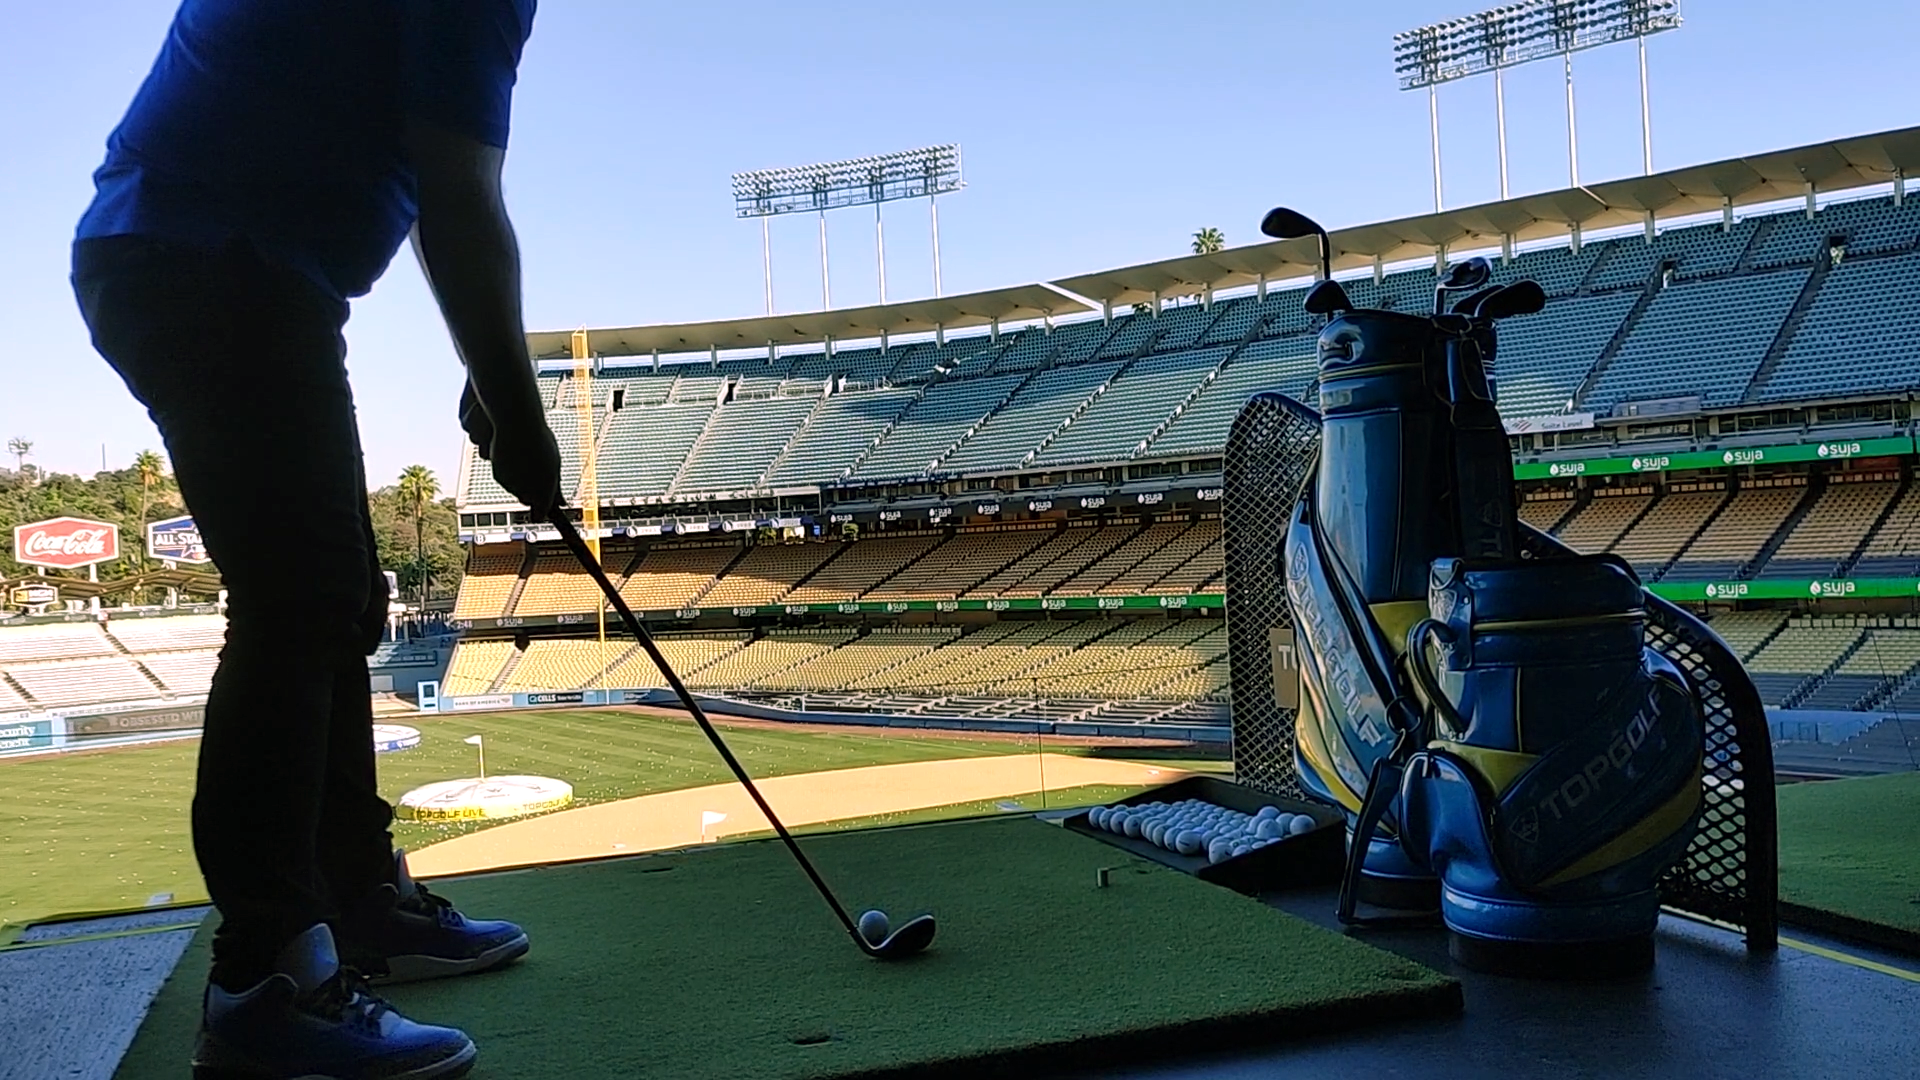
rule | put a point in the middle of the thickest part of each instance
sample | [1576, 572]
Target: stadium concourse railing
[1189, 602]
[432, 702]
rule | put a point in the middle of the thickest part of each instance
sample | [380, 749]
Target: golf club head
[1468, 274]
[910, 938]
[1472, 303]
[1327, 298]
[1520, 298]
[1284, 224]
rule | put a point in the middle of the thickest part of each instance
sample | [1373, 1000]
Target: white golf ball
[1187, 843]
[1266, 812]
[1154, 831]
[1097, 817]
[1266, 830]
[1132, 825]
[1300, 823]
[874, 927]
[1219, 851]
[1241, 847]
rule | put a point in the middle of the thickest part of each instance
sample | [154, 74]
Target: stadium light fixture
[925, 173]
[1513, 34]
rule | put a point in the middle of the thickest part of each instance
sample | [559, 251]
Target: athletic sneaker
[404, 933]
[313, 1019]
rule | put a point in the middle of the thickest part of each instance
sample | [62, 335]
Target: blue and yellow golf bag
[1509, 753]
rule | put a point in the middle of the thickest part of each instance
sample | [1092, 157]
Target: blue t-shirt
[281, 122]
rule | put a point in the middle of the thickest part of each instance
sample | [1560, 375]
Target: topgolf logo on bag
[66, 543]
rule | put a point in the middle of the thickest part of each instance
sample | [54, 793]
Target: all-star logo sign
[176, 540]
[66, 543]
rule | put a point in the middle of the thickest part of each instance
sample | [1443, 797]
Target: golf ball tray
[1224, 833]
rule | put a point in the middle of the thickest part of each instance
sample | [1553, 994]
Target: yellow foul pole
[589, 498]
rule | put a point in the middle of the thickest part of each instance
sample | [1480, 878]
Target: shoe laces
[347, 999]
[423, 902]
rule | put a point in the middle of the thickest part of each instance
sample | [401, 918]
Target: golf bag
[1508, 752]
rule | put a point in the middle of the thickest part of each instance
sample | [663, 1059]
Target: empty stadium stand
[1732, 540]
[492, 575]
[1833, 529]
[1894, 548]
[1805, 649]
[1745, 631]
[1598, 525]
[1660, 534]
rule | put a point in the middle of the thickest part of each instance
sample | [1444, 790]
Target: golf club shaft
[571, 537]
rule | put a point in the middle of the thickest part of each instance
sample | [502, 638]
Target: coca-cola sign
[66, 543]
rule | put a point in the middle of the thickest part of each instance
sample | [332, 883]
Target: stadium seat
[557, 585]
[1832, 530]
[474, 667]
[1731, 541]
[1087, 544]
[843, 427]
[1861, 333]
[1545, 510]
[1745, 631]
[861, 566]
[1701, 338]
[958, 564]
[674, 575]
[932, 425]
[1598, 525]
[1288, 365]
[492, 572]
[1543, 357]
[1659, 535]
[1115, 423]
[740, 443]
[1003, 439]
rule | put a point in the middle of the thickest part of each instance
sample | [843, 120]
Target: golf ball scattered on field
[874, 927]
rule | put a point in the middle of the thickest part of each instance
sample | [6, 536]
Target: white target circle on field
[392, 738]
[491, 798]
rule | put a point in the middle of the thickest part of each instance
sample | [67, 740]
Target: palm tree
[19, 448]
[1208, 240]
[151, 470]
[418, 488]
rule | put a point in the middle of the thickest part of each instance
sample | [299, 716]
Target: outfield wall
[87, 727]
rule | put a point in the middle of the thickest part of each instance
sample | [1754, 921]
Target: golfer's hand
[525, 456]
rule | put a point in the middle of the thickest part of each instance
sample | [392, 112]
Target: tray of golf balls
[1225, 833]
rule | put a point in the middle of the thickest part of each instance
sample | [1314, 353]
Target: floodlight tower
[1515, 34]
[925, 173]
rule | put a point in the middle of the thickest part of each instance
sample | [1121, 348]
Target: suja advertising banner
[1787, 589]
[66, 543]
[1839, 450]
[176, 540]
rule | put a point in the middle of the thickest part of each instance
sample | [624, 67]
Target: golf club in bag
[905, 940]
[1510, 755]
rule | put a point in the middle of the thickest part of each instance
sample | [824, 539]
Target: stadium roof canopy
[1022, 303]
[1780, 175]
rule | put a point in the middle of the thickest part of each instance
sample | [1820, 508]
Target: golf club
[1461, 277]
[1284, 224]
[910, 937]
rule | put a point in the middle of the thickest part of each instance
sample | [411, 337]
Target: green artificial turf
[108, 830]
[1059, 799]
[1851, 848]
[721, 962]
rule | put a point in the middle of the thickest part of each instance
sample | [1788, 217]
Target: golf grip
[571, 537]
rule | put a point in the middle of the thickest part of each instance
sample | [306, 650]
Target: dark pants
[242, 365]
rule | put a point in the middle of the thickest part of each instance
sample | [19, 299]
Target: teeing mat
[722, 962]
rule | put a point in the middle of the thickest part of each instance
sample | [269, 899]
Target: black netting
[1270, 452]
[1730, 872]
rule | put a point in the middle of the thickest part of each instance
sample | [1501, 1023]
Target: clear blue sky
[1094, 135]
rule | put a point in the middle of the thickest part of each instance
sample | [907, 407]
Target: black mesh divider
[1730, 872]
[1270, 453]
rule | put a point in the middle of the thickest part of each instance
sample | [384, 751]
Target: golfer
[269, 168]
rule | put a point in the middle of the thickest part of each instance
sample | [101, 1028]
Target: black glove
[525, 456]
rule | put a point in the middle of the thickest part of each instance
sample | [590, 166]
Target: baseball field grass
[108, 830]
[1850, 847]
